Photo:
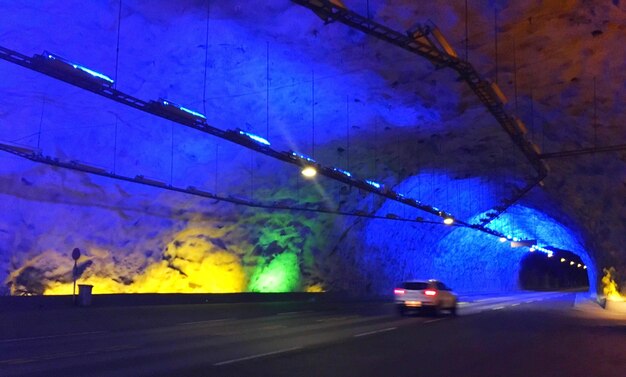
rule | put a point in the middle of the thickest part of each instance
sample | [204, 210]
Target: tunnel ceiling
[327, 91]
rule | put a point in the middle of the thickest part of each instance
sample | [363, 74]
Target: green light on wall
[281, 274]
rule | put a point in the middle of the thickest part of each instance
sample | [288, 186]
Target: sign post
[75, 256]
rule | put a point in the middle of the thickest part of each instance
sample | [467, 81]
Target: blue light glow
[93, 73]
[373, 184]
[188, 111]
[347, 174]
[254, 137]
[80, 68]
[303, 157]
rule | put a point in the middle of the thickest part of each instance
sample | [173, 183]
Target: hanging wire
[347, 133]
[117, 59]
[172, 154]
[313, 114]
[43, 106]
[206, 54]
[267, 96]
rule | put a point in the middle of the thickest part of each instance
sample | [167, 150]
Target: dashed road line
[375, 332]
[232, 361]
[51, 336]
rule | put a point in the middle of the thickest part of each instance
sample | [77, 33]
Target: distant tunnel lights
[562, 260]
[448, 221]
[61, 65]
[502, 239]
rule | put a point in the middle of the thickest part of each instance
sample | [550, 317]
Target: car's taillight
[430, 292]
[399, 291]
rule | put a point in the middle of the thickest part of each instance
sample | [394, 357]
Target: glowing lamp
[509, 237]
[61, 65]
[579, 265]
[177, 111]
[448, 220]
[347, 174]
[584, 267]
[571, 263]
[309, 171]
[502, 239]
[562, 260]
[254, 137]
[373, 184]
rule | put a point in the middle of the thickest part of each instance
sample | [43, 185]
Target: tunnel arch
[467, 259]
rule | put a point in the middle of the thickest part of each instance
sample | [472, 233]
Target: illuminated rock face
[326, 91]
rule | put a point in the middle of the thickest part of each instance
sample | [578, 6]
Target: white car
[431, 295]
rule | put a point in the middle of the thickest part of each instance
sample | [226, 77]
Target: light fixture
[579, 265]
[532, 249]
[503, 239]
[584, 267]
[254, 137]
[309, 171]
[508, 236]
[177, 111]
[448, 220]
[571, 263]
[562, 260]
[347, 174]
[61, 65]
[373, 184]
[550, 254]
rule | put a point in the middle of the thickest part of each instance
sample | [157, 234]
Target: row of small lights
[58, 63]
[308, 170]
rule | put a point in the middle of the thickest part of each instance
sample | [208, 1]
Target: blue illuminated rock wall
[277, 71]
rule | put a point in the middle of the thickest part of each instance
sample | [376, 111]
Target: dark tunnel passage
[564, 270]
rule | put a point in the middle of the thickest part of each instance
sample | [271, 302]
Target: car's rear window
[415, 286]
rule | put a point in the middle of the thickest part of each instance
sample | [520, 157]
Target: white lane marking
[292, 313]
[51, 336]
[498, 308]
[375, 332]
[204, 322]
[256, 356]
[434, 320]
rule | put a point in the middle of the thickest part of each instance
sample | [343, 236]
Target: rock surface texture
[348, 100]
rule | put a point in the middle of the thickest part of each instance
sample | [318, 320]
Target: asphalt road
[535, 334]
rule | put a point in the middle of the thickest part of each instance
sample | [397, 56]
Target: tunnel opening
[564, 270]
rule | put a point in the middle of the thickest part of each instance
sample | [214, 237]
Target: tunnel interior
[324, 91]
[564, 270]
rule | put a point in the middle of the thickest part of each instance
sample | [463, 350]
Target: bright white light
[509, 236]
[579, 265]
[448, 220]
[254, 137]
[309, 171]
[347, 174]
[184, 109]
[515, 239]
[562, 260]
[584, 267]
[93, 73]
[550, 255]
[372, 183]
[302, 157]
[502, 239]
[571, 263]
